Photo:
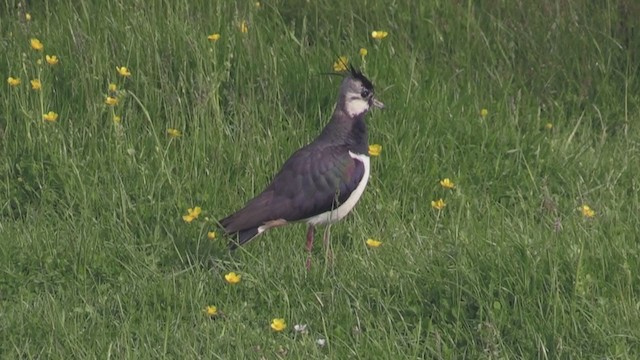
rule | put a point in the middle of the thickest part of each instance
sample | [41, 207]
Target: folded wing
[309, 183]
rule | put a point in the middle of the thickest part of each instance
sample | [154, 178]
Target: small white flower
[321, 342]
[300, 328]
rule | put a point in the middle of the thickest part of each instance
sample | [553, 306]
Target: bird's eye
[365, 93]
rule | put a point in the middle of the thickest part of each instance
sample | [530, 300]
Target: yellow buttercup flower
[211, 235]
[438, 204]
[232, 278]
[587, 211]
[13, 81]
[111, 101]
[244, 27]
[484, 113]
[27, 17]
[447, 183]
[36, 44]
[192, 214]
[211, 311]
[341, 64]
[174, 133]
[51, 59]
[50, 116]
[548, 126]
[123, 71]
[117, 119]
[113, 87]
[375, 149]
[36, 84]
[378, 35]
[373, 243]
[214, 37]
[363, 52]
[278, 325]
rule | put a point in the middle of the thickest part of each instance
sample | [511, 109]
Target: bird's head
[356, 94]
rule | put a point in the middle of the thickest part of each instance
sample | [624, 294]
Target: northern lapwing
[320, 183]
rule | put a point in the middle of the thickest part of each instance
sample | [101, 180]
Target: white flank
[341, 211]
[356, 105]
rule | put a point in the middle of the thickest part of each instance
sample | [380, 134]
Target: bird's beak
[377, 103]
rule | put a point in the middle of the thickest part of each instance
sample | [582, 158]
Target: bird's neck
[346, 130]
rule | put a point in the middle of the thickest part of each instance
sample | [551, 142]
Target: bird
[321, 182]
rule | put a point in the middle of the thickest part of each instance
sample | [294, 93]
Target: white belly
[341, 211]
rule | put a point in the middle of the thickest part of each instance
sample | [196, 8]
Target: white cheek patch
[355, 105]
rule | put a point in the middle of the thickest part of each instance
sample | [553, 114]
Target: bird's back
[299, 190]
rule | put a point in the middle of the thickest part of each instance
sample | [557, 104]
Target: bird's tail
[242, 237]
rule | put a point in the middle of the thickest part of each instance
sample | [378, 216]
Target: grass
[96, 261]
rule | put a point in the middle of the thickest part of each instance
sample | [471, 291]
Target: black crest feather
[353, 73]
[356, 74]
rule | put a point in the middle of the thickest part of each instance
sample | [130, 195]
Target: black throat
[346, 130]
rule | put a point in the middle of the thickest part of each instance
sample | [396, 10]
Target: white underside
[341, 211]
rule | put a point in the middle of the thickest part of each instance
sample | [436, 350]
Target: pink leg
[327, 244]
[309, 246]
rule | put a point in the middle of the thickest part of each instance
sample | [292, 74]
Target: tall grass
[96, 260]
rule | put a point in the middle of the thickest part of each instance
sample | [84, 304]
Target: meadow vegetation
[153, 109]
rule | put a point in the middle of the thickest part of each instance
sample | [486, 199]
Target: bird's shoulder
[318, 158]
